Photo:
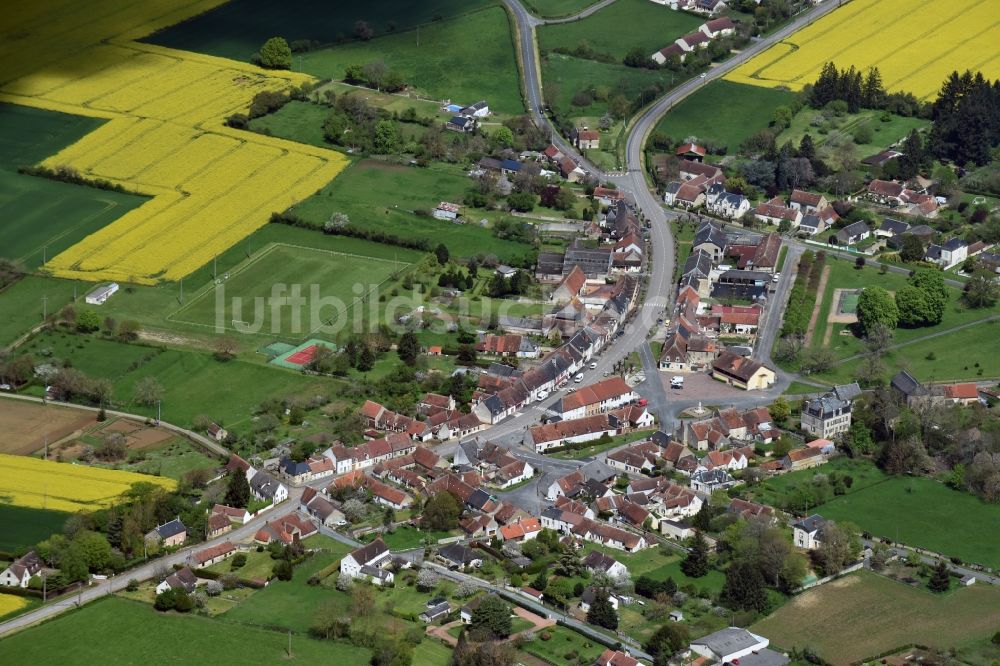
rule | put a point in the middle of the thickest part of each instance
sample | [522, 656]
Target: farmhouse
[286, 530]
[775, 212]
[369, 562]
[183, 579]
[101, 294]
[214, 554]
[586, 139]
[806, 532]
[20, 571]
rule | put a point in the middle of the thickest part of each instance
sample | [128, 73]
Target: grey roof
[933, 252]
[479, 498]
[895, 227]
[374, 572]
[826, 405]
[183, 578]
[437, 610]
[709, 233]
[478, 106]
[732, 199]
[698, 262]
[598, 560]
[765, 657]
[459, 554]
[598, 471]
[921, 230]
[847, 391]
[173, 528]
[907, 384]
[370, 552]
[954, 244]
[712, 476]
[264, 484]
[743, 276]
[853, 229]
[672, 187]
[292, 468]
[552, 513]
[813, 523]
[502, 370]
[727, 641]
[810, 220]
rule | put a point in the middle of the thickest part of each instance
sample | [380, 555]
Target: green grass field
[925, 513]
[864, 614]
[562, 642]
[238, 29]
[26, 527]
[194, 382]
[774, 490]
[407, 538]
[620, 27]
[39, 216]
[320, 277]
[94, 635]
[653, 563]
[173, 459]
[565, 76]
[557, 8]
[737, 111]
[382, 196]
[884, 133]
[22, 304]
[443, 60]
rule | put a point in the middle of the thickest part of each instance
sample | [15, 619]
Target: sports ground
[257, 296]
[297, 357]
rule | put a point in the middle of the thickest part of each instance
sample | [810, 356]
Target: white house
[184, 579]
[727, 645]
[369, 562]
[596, 561]
[101, 294]
[728, 205]
[950, 254]
[478, 110]
[806, 532]
[263, 486]
[21, 570]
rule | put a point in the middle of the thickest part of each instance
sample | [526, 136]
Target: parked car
[541, 395]
[578, 378]
[593, 365]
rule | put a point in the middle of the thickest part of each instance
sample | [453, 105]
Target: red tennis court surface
[302, 356]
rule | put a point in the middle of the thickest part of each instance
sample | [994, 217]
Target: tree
[226, 348]
[354, 510]
[981, 291]
[668, 641]
[491, 619]
[427, 580]
[283, 570]
[366, 360]
[569, 564]
[912, 249]
[276, 54]
[442, 254]
[362, 600]
[87, 321]
[441, 512]
[148, 391]
[940, 580]
[363, 31]
[601, 612]
[914, 309]
[695, 565]
[386, 137]
[780, 410]
[877, 307]
[931, 283]
[408, 348]
[744, 588]
[166, 600]
[522, 201]
[502, 137]
[238, 489]
[839, 546]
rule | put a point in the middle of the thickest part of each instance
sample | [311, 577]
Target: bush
[133, 585]
[239, 560]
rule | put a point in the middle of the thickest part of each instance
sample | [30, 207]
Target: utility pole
[157, 412]
[182, 291]
[44, 248]
[215, 273]
[45, 308]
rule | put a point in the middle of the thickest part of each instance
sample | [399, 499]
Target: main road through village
[657, 300]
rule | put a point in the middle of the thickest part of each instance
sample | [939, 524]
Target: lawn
[654, 563]
[380, 196]
[738, 111]
[864, 614]
[94, 634]
[432, 653]
[826, 135]
[562, 642]
[292, 604]
[443, 60]
[598, 447]
[259, 566]
[408, 538]
[329, 285]
[950, 362]
[24, 526]
[557, 8]
[565, 76]
[776, 489]
[924, 513]
[620, 27]
[42, 217]
[173, 459]
[237, 29]
[193, 382]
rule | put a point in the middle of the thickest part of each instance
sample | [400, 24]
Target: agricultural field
[193, 382]
[340, 282]
[211, 186]
[45, 484]
[43, 217]
[557, 8]
[93, 635]
[443, 60]
[924, 513]
[14, 605]
[737, 110]
[566, 75]
[225, 31]
[23, 303]
[380, 196]
[621, 27]
[915, 56]
[25, 527]
[27, 425]
[864, 614]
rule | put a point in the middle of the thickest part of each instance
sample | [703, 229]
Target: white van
[676, 382]
[578, 378]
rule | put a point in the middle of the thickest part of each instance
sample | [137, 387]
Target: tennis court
[299, 357]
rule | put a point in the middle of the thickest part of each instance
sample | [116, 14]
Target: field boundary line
[929, 336]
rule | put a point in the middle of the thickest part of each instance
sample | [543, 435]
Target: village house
[827, 416]
[168, 535]
[386, 495]
[217, 525]
[748, 510]
[598, 562]
[446, 211]
[522, 530]
[593, 399]
[321, 509]
[725, 204]
[587, 598]
[457, 556]
[182, 579]
[233, 514]
[217, 432]
[19, 572]
[775, 211]
[369, 562]
[890, 228]
[711, 239]
[593, 479]
[586, 139]
[708, 481]
[285, 530]
[616, 658]
[734, 645]
[720, 27]
[807, 202]
[742, 372]
[803, 458]
[511, 346]
[214, 554]
[265, 487]
[949, 254]
[851, 234]
[806, 532]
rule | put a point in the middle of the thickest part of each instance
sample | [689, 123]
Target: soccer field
[259, 295]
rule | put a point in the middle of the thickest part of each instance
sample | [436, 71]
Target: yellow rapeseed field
[914, 43]
[45, 484]
[211, 185]
[11, 604]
